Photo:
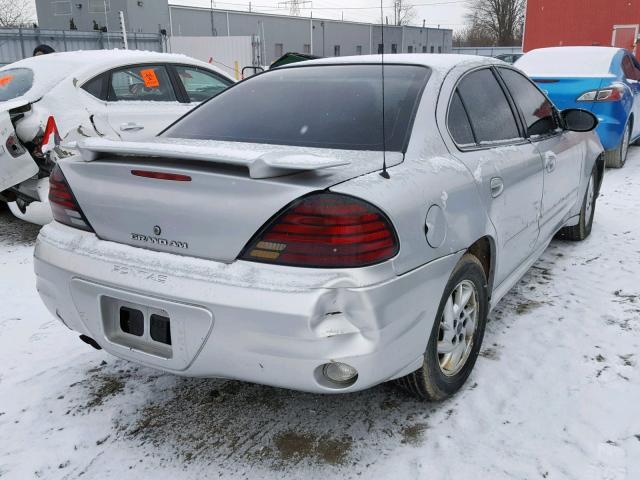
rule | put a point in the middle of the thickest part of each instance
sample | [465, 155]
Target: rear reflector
[325, 230]
[161, 175]
[64, 206]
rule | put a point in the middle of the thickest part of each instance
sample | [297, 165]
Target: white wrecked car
[49, 102]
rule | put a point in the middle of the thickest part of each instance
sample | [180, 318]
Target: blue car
[603, 80]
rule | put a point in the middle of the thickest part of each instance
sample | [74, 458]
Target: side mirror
[578, 120]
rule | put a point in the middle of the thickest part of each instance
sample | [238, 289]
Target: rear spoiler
[260, 164]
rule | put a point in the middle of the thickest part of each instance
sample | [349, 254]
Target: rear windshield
[328, 106]
[15, 82]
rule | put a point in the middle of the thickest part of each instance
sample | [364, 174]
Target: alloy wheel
[457, 328]
[591, 194]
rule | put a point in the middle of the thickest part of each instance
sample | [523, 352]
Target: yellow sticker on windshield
[6, 80]
[149, 78]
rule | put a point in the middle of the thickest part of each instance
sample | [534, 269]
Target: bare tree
[404, 12]
[473, 35]
[15, 13]
[503, 19]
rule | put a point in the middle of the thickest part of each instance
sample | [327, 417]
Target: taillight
[64, 205]
[609, 94]
[327, 230]
[51, 137]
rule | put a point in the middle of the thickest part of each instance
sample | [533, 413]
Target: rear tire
[583, 229]
[617, 158]
[456, 336]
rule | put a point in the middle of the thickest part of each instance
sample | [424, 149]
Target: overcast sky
[447, 13]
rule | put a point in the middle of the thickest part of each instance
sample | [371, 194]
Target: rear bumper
[38, 212]
[252, 322]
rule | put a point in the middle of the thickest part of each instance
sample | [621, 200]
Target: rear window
[14, 83]
[328, 106]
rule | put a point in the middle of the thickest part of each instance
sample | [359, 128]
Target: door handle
[550, 161]
[131, 127]
[497, 187]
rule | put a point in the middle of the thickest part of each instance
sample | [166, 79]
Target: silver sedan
[326, 233]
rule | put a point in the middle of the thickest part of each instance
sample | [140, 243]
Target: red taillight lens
[325, 230]
[64, 206]
[608, 94]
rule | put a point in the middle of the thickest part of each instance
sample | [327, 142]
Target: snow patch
[568, 61]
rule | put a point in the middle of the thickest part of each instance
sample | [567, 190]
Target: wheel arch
[600, 167]
[484, 250]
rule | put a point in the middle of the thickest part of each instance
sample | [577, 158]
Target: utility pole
[213, 29]
[294, 6]
[123, 28]
[311, 33]
[106, 23]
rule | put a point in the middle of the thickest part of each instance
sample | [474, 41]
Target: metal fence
[18, 43]
[486, 51]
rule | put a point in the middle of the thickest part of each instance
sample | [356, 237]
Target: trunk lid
[16, 163]
[564, 91]
[215, 213]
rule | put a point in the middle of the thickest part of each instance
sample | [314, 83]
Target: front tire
[618, 157]
[583, 229]
[456, 335]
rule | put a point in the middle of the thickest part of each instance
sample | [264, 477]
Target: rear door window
[629, 69]
[538, 111]
[489, 111]
[199, 84]
[95, 86]
[15, 82]
[142, 83]
[458, 122]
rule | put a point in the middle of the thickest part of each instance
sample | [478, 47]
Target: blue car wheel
[617, 158]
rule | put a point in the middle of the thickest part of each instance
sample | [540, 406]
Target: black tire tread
[582, 230]
[418, 383]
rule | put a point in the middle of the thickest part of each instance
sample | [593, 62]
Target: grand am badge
[155, 240]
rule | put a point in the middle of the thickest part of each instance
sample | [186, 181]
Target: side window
[536, 108]
[144, 83]
[94, 86]
[629, 69]
[199, 84]
[458, 122]
[488, 109]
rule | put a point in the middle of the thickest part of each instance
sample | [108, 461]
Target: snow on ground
[555, 394]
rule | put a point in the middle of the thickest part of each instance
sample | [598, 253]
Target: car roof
[436, 61]
[51, 69]
[81, 59]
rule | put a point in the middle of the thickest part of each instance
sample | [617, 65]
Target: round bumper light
[340, 373]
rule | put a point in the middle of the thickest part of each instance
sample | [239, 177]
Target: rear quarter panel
[429, 176]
